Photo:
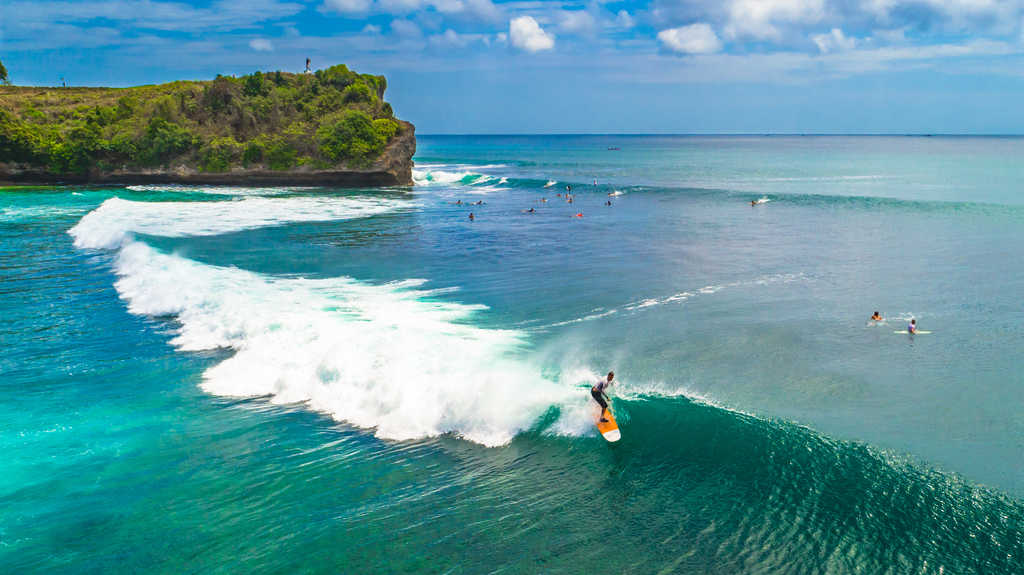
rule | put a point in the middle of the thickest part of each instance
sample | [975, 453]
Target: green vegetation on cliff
[333, 119]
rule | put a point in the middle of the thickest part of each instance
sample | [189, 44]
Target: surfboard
[918, 332]
[609, 429]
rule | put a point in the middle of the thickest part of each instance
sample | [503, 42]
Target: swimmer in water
[471, 216]
[608, 203]
[876, 317]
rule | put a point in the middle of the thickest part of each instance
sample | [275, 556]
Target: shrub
[386, 127]
[357, 93]
[254, 85]
[162, 141]
[350, 137]
[338, 76]
[220, 154]
[253, 153]
[280, 155]
[219, 94]
[17, 142]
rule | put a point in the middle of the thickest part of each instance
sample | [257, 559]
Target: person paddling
[599, 395]
[876, 317]
[912, 328]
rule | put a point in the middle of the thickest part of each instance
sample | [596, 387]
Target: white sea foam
[116, 219]
[472, 177]
[426, 177]
[550, 183]
[377, 356]
[219, 190]
[17, 214]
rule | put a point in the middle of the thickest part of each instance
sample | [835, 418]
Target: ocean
[304, 380]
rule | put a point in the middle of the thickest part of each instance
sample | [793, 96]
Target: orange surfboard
[609, 430]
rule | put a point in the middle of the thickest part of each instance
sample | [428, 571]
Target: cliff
[328, 128]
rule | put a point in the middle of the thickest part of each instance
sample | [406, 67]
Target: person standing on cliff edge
[307, 66]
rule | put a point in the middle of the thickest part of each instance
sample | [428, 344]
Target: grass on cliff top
[333, 119]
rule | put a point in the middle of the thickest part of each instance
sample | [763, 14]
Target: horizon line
[757, 134]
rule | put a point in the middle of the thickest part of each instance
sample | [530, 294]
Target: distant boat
[613, 148]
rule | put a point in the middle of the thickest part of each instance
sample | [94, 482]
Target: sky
[539, 66]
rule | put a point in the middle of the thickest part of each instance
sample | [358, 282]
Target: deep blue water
[281, 380]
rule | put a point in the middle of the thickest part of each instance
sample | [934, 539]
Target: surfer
[876, 317]
[912, 328]
[471, 216]
[597, 392]
[753, 202]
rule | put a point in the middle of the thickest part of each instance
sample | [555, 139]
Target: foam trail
[550, 183]
[679, 297]
[116, 219]
[376, 356]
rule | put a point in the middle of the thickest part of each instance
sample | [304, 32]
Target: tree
[3, 75]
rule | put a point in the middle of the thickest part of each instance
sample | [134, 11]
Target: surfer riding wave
[599, 395]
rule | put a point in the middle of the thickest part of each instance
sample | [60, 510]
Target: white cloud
[371, 29]
[399, 6]
[526, 34]
[405, 29]
[261, 45]
[576, 22]
[834, 41]
[483, 9]
[348, 6]
[758, 19]
[450, 38]
[693, 39]
[624, 20]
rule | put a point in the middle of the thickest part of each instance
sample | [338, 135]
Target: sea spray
[377, 356]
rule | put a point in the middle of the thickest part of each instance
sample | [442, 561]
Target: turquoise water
[323, 381]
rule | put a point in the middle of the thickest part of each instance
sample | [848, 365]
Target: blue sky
[484, 66]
